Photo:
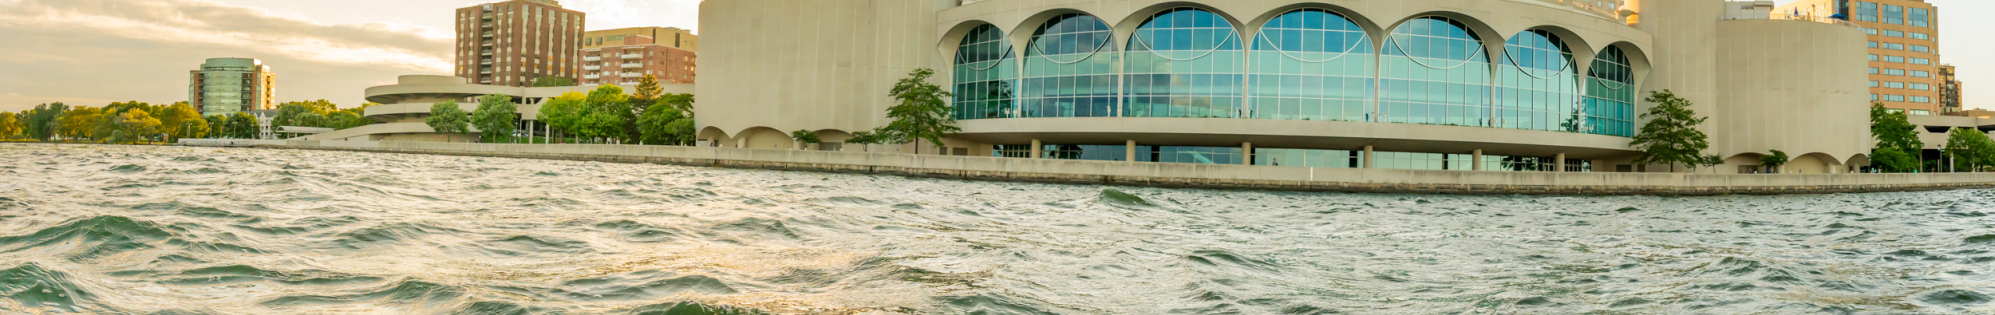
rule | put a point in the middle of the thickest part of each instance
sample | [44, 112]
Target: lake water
[173, 230]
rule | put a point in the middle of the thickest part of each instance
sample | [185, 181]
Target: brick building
[512, 43]
[631, 57]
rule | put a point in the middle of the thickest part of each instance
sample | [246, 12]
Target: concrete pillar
[1368, 157]
[1246, 153]
[1559, 165]
[741, 143]
[1476, 161]
[1035, 149]
[1129, 151]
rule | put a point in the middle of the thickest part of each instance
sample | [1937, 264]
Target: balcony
[591, 76]
[632, 56]
[592, 58]
[633, 75]
[486, 25]
[633, 65]
[487, 62]
[592, 68]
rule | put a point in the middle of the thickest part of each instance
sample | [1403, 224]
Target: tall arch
[985, 75]
[1184, 62]
[1070, 69]
[1434, 70]
[1538, 84]
[1311, 64]
[1610, 94]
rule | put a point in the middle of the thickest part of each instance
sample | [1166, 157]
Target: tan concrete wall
[816, 65]
[1794, 86]
[1183, 175]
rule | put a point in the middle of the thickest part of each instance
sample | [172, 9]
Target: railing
[633, 65]
[591, 76]
[633, 75]
[1607, 9]
[1804, 18]
[592, 68]
[592, 58]
[632, 56]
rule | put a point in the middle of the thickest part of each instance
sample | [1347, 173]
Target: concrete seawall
[1176, 175]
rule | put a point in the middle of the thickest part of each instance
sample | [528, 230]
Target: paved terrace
[1172, 174]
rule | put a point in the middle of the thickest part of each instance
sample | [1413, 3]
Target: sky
[94, 52]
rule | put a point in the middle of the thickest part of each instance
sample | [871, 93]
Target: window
[1610, 96]
[1922, 87]
[1873, 70]
[986, 75]
[1870, 31]
[1894, 85]
[1919, 18]
[1921, 61]
[1873, 57]
[1873, 44]
[1429, 74]
[1892, 33]
[1184, 62]
[1894, 46]
[1894, 71]
[1070, 69]
[1892, 14]
[1311, 64]
[1873, 97]
[1894, 98]
[1921, 99]
[1917, 35]
[1873, 83]
[1864, 11]
[1922, 48]
[1897, 59]
[1537, 85]
[1922, 74]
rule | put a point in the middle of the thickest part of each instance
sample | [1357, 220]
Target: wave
[403, 292]
[95, 237]
[35, 287]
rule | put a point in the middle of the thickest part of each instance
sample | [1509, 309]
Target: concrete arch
[1813, 163]
[1492, 41]
[716, 137]
[1637, 59]
[1372, 29]
[1125, 29]
[1582, 52]
[953, 39]
[833, 135]
[1021, 36]
[764, 138]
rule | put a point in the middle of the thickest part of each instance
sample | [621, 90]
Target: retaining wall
[1181, 175]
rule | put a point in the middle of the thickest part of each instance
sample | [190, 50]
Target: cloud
[76, 50]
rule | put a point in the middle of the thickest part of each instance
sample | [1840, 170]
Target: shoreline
[1171, 175]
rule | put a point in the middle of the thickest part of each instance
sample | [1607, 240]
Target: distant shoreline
[1172, 175]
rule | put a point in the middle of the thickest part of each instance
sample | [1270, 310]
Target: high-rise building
[1949, 90]
[1904, 41]
[230, 85]
[665, 36]
[630, 57]
[513, 43]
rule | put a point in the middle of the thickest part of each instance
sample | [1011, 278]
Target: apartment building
[1904, 41]
[231, 85]
[664, 36]
[624, 59]
[513, 43]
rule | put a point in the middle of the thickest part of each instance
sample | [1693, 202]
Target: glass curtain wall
[1184, 62]
[1070, 69]
[985, 75]
[1610, 95]
[1434, 71]
[1311, 64]
[1538, 84]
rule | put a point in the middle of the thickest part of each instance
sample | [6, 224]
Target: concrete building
[229, 85]
[1950, 90]
[1518, 85]
[406, 104]
[632, 57]
[513, 43]
[667, 36]
[1904, 42]
[1748, 10]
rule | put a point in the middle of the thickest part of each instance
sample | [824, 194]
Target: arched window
[1184, 62]
[1433, 70]
[985, 75]
[1610, 94]
[1311, 64]
[1537, 84]
[1070, 69]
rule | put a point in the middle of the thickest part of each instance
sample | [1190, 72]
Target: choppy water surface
[164, 230]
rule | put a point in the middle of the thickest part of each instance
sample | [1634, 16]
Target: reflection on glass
[985, 75]
[1184, 63]
[1311, 64]
[1434, 72]
[1537, 84]
[1610, 95]
[1070, 69]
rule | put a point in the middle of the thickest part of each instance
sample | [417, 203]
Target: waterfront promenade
[1173, 174]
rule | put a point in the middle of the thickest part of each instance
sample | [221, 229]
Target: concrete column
[1559, 165]
[1476, 162]
[1129, 151]
[1368, 157]
[1035, 149]
[1246, 153]
[741, 143]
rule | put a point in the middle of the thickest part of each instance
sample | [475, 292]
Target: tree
[647, 90]
[552, 82]
[1773, 161]
[1894, 131]
[287, 113]
[682, 102]
[496, 117]
[867, 137]
[805, 136]
[181, 120]
[346, 119]
[446, 117]
[43, 122]
[657, 126]
[243, 126]
[135, 125]
[1969, 149]
[921, 111]
[218, 125]
[561, 112]
[1671, 135]
[314, 120]
[78, 123]
[10, 125]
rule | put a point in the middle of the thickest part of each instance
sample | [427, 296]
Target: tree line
[140, 122]
[604, 115]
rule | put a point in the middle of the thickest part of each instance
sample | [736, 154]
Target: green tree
[682, 102]
[287, 113]
[867, 137]
[345, 119]
[805, 136]
[10, 125]
[1671, 135]
[43, 122]
[243, 126]
[562, 112]
[218, 125]
[79, 122]
[181, 120]
[1969, 149]
[314, 120]
[1773, 161]
[1894, 132]
[134, 126]
[553, 82]
[657, 125]
[446, 117]
[647, 91]
[496, 117]
[921, 111]
[107, 123]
